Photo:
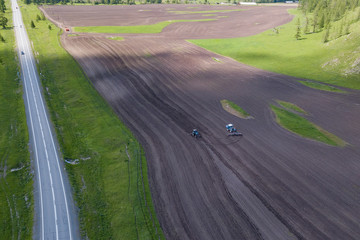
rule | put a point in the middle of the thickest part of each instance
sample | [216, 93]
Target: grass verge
[291, 106]
[322, 87]
[110, 181]
[16, 182]
[301, 126]
[152, 28]
[234, 109]
[279, 51]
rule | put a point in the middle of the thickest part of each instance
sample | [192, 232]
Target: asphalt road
[55, 217]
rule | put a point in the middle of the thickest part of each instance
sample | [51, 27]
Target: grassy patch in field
[291, 106]
[334, 62]
[301, 126]
[206, 11]
[320, 86]
[216, 59]
[110, 181]
[116, 38]
[152, 28]
[16, 180]
[234, 109]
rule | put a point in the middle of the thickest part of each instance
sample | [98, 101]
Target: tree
[315, 21]
[306, 29]
[2, 38]
[2, 6]
[3, 21]
[327, 33]
[32, 24]
[298, 30]
[347, 28]
[38, 18]
[49, 27]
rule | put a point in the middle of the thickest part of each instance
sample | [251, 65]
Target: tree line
[321, 14]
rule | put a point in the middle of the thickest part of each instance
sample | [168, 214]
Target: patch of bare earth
[269, 184]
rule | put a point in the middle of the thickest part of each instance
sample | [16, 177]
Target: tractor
[232, 131]
[195, 133]
[230, 128]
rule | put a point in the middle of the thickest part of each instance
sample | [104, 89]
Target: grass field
[291, 106]
[234, 109]
[16, 184]
[152, 28]
[334, 62]
[301, 126]
[110, 181]
[323, 87]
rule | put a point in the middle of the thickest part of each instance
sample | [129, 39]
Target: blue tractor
[195, 133]
[230, 128]
[232, 131]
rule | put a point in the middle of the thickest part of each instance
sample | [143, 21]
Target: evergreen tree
[340, 32]
[3, 21]
[2, 38]
[2, 6]
[347, 28]
[306, 29]
[298, 30]
[326, 34]
[49, 26]
[315, 21]
[32, 24]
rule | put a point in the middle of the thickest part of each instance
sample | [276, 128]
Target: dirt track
[268, 184]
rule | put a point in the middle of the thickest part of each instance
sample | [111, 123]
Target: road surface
[55, 217]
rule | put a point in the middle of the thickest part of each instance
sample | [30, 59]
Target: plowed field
[268, 184]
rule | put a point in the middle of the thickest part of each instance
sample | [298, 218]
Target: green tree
[298, 30]
[315, 21]
[347, 28]
[2, 6]
[32, 24]
[306, 29]
[49, 27]
[2, 39]
[3, 21]
[326, 34]
[38, 18]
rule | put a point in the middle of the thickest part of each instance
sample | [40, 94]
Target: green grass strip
[16, 182]
[234, 109]
[323, 87]
[301, 126]
[110, 181]
[152, 28]
[308, 58]
[291, 106]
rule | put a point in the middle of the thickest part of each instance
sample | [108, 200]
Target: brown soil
[268, 184]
